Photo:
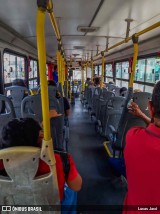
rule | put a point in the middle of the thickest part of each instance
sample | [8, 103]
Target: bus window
[33, 74]
[157, 70]
[96, 70]
[152, 70]
[138, 86]
[77, 74]
[125, 68]
[14, 67]
[140, 70]
[118, 70]
[109, 71]
[100, 70]
[118, 83]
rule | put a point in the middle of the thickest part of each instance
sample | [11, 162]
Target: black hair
[18, 82]
[123, 89]
[52, 82]
[20, 132]
[55, 67]
[110, 82]
[156, 99]
[96, 80]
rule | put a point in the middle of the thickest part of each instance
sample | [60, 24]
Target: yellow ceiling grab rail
[152, 27]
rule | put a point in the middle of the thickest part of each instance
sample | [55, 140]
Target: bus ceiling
[83, 25]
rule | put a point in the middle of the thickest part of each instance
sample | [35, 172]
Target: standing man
[55, 74]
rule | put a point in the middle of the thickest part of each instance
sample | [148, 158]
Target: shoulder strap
[65, 161]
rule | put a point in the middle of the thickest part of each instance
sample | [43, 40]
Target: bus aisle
[100, 186]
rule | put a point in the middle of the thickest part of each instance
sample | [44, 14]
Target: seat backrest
[21, 187]
[57, 125]
[17, 93]
[31, 107]
[128, 120]
[7, 112]
[142, 99]
[113, 113]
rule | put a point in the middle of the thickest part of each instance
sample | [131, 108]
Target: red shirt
[142, 159]
[44, 169]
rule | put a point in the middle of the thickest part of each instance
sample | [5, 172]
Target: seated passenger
[142, 158]
[123, 91]
[27, 132]
[20, 82]
[58, 95]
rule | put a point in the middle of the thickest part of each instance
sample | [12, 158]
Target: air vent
[79, 47]
[84, 29]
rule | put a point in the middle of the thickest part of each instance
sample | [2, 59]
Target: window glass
[77, 75]
[124, 84]
[33, 73]
[148, 88]
[118, 70]
[140, 70]
[109, 71]
[125, 68]
[152, 70]
[109, 79]
[14, 67]
[138, 86]
[96, 70]
[157, 70]
[100, 70]
[118, 83]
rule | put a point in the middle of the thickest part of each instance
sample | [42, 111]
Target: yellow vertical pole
[82, 78]
[58, 64]
[86, 70]
[102, 76]
[135, 41]
[92, 69]
[47, 145]
[60, 73]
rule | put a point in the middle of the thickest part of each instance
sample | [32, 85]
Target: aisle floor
[100, 186]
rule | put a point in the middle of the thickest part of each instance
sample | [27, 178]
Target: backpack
[65, 160]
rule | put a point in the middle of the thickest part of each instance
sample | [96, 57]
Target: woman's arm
[135, 110]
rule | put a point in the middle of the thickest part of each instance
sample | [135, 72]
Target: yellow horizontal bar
[107, 149]
[152, 27]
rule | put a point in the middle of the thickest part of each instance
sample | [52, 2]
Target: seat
[128, 121]
[112, 115]
[101, 108]
[16, 94]
[7, 112]
[31, 107]
[21, 187]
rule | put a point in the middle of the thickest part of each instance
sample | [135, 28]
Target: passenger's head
[88, 79]
[111, 83]
[18, 82]
[55, 68]
[154, 105]
[52, 82]
[20, 132]
[96, 81]
[122, 91]
[136, 90]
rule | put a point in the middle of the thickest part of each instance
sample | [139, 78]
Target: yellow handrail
[58, 64]
[53, 20]
[133, 65]
[86, 70]
[82, 79]
[102, 76]
[42, 67]
[47, 153]
[92, 72]
[156, 25]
